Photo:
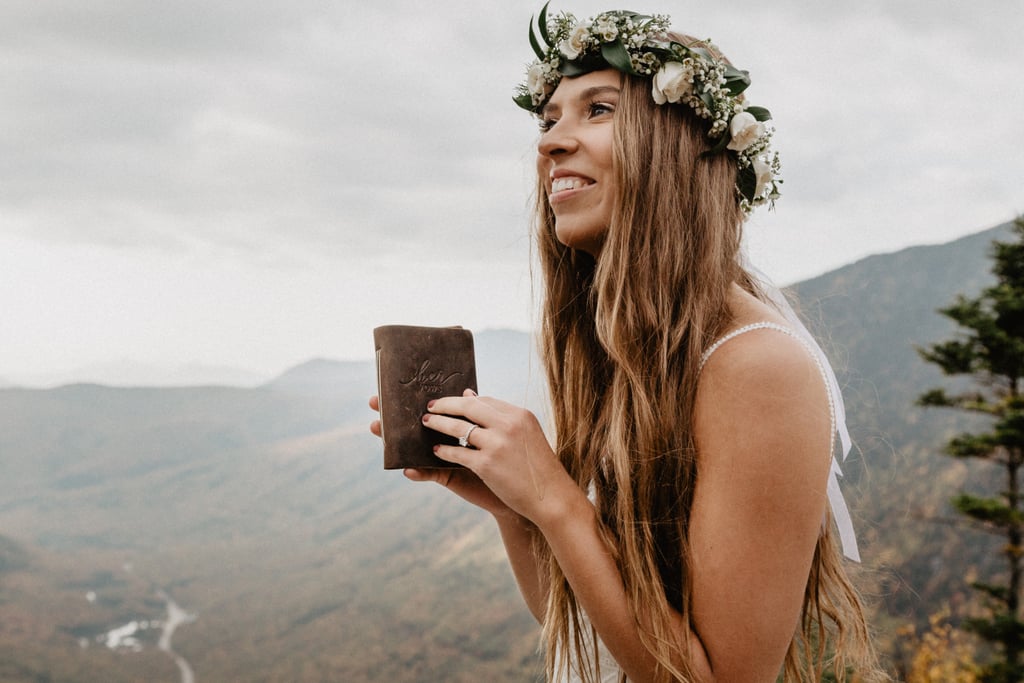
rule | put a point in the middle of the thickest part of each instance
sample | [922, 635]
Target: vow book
[416, 365]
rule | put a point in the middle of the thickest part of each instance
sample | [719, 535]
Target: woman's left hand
[508, 450]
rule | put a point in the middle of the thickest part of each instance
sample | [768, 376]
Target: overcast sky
[252, 184]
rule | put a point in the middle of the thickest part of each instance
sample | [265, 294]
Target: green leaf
[591, 61]
[746, 181]
[618, 57]
[705, 97]
[542, 23]
[535, 45]
[719, 146]
[700, 51]
[525, 101]
[736, 81]
[759, 113]
[573, 68]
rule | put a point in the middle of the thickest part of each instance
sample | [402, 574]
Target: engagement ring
[464, 439]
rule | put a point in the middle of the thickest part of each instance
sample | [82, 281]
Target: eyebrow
[584, 95]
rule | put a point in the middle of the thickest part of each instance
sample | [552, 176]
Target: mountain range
[264, 511]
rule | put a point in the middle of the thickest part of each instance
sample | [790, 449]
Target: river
[175, 617]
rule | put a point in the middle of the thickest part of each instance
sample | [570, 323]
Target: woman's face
[574, 157]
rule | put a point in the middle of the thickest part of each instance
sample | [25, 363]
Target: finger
[442, 477]
[453, 427]
[457, 454]
[470, 407]
[375, 403]
[375, 428]
[497, 404]
[420, 475]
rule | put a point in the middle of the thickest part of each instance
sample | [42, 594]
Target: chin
[581, 240]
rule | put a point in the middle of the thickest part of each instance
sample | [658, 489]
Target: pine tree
[989, 350]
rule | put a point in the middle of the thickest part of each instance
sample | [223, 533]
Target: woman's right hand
[460, 481]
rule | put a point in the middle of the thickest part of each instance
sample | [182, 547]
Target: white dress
[609, 668]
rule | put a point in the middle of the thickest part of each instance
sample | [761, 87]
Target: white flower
[673, 82]
[763, 173]
[572, 46]
[535, 79]
[744, 129]
[607, 29]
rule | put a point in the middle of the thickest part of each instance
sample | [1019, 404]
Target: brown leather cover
[416, 365]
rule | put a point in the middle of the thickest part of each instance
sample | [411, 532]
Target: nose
[559, 139]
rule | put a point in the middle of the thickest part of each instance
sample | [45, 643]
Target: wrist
[506, 516]
[564, 510]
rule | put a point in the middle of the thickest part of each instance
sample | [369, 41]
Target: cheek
[544, 172]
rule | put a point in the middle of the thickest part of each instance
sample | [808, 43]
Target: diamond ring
[464, 439]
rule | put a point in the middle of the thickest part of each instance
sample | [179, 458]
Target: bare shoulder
[762, 405]
[760, 363]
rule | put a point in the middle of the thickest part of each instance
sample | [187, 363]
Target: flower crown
[693, 75]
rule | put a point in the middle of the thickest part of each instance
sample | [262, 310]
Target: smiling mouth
[568, 183]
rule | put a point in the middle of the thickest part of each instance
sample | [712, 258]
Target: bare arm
[518, 534]
[514, 459]
[763, 432]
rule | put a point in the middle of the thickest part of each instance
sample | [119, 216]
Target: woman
[679, 528]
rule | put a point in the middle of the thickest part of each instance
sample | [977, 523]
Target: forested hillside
[266, 515]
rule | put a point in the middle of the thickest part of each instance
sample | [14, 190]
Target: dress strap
[763, 325]
[840, 511]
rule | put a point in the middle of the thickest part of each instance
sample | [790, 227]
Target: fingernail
[430, 404]
[471, 392]
[426, 418]
[436, 448]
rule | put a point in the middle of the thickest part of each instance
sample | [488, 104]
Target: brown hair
[622, 338]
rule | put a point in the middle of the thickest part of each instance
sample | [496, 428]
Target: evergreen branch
[974, 401]
[968, 445]
[989, 511]
[953, 357]
[998, 593]
[957, 523]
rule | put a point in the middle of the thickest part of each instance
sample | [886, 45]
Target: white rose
[744, 130]
[535, 80]
[572, 46]
[763, 173]
[672, 83]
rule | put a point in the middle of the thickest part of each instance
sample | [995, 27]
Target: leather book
[414, 366]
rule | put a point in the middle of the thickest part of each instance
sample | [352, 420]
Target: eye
[546, 124]
[601, 108]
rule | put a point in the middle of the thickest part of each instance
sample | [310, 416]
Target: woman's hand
[508, 451]
[461, 482]
[518, 535]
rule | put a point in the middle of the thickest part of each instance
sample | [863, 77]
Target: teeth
[569, 183]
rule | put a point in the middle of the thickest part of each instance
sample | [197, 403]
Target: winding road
[175, 617]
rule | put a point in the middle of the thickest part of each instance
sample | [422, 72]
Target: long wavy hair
[621, 339]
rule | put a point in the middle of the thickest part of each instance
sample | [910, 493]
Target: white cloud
[204, 164]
